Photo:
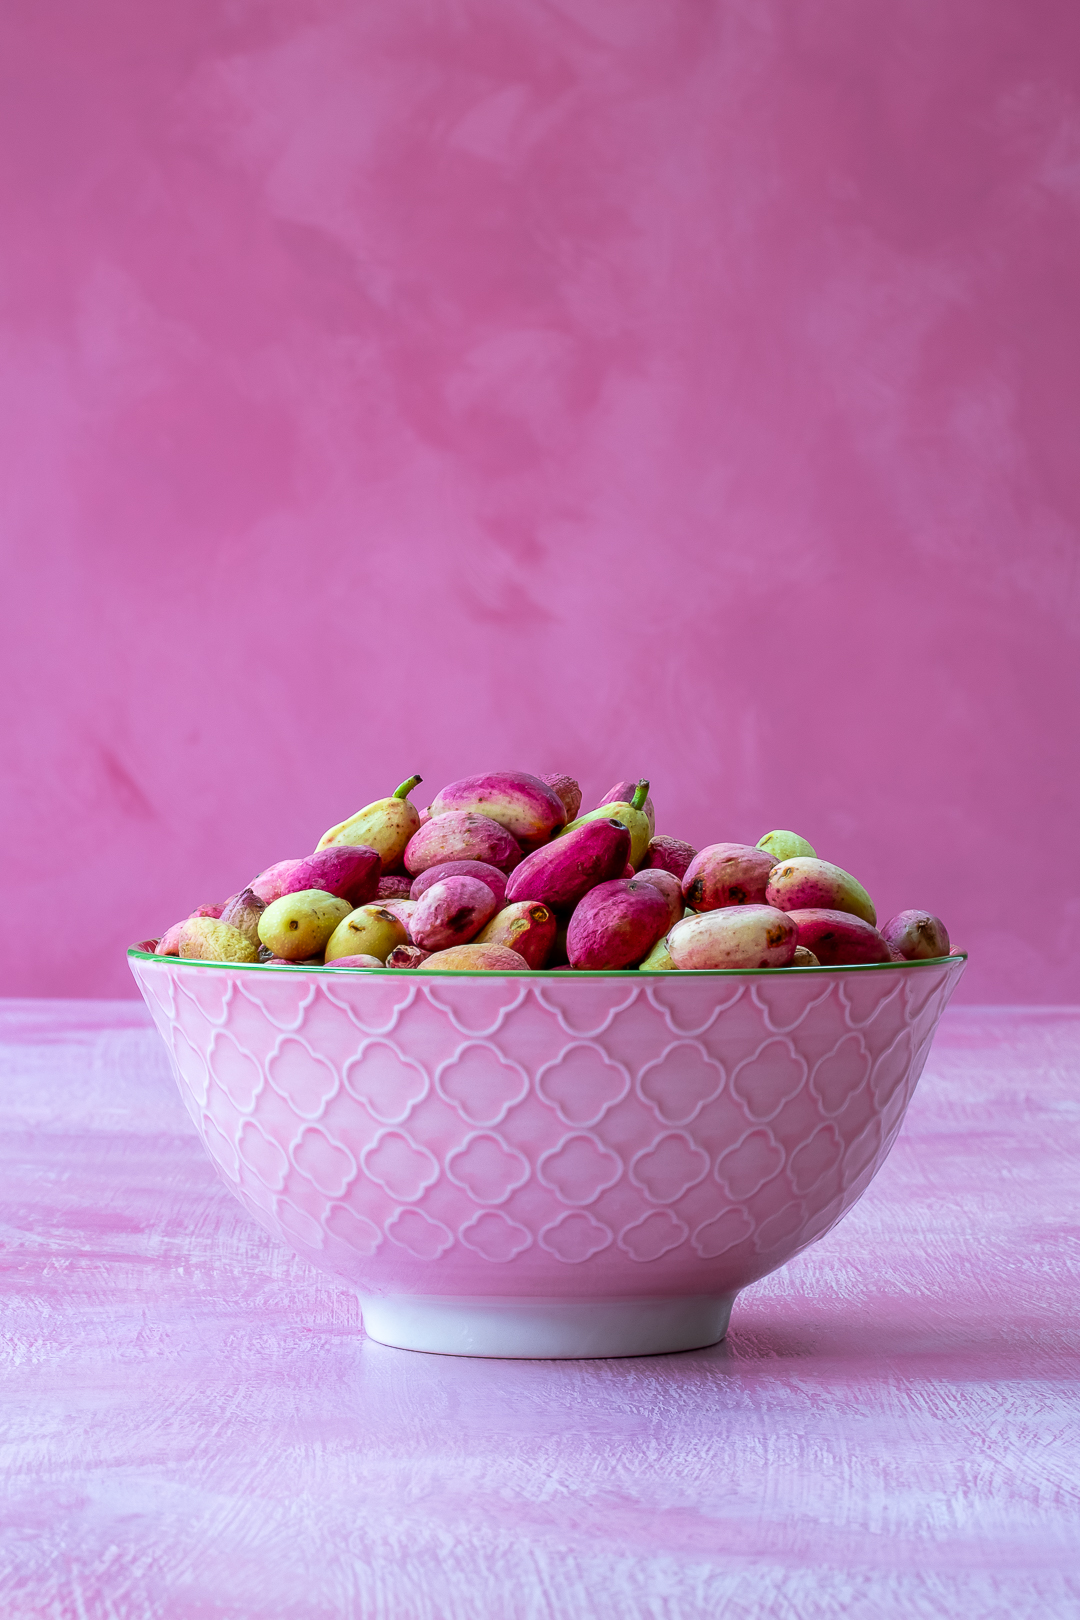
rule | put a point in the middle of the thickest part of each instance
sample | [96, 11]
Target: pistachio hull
[495, 880]
[616, 925]
[268, 886]
[169, 943]
[635, 821]
[525, 805]
[406, 956]
[527, 927]
[394, 887]
[385, 826]
[477, 959]
[784, 846]
[451, 913]
[354, 962]
[667, 884]
[623, 793]
[563, 872]
[401, 909]
[749, 936]
[243, 912]
[461, 835]
[297, 926]
[569, 792]
[669, 855]
[916, 935]
[370, 930]
[349, 871]
[839, 938]
[805, 883]
[205, 939]
[727, 875]
[658, 959]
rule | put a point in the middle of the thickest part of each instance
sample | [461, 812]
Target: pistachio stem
[406, 787]
[641, 793]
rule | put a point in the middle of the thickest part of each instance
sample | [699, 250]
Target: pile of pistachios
[501, 873]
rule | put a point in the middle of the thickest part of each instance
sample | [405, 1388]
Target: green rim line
[548, 973]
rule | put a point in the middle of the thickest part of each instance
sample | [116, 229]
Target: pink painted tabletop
[194, 1424]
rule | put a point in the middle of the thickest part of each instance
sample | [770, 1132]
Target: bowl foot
[543, 1329]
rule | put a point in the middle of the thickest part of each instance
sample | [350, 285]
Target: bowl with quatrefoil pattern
[546, 1164]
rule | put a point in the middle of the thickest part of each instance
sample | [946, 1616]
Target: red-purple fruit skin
[526, 926]
[916, 935]
[669, 855]
[616, 925]
[562, 872]
[394, 886]
[451, 913]
[839, 938]
[525, 805]
[727, 875]
[267, 886]
[807, 883]
[212, 911]
[495, 880]
[403, 910]
[667, 884]
[348, 871]
[169, 943]
[569, 792]
[346, 961]
[461, 835]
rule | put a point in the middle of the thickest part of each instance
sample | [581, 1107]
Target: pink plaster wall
[684, 388]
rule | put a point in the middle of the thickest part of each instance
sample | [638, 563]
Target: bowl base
[546, 1329]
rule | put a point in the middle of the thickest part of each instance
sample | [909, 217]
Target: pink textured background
[601, 385]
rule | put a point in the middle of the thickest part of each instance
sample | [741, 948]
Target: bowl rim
[544, 974]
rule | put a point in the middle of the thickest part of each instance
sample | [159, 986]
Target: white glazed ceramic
[547, 1164]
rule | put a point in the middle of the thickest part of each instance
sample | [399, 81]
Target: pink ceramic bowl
[577, 1164]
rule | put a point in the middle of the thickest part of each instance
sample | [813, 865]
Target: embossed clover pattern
[563, 1120]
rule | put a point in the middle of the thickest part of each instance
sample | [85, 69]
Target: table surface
[194, 1424]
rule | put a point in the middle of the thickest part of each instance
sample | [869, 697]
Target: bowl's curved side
[601, 1138]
